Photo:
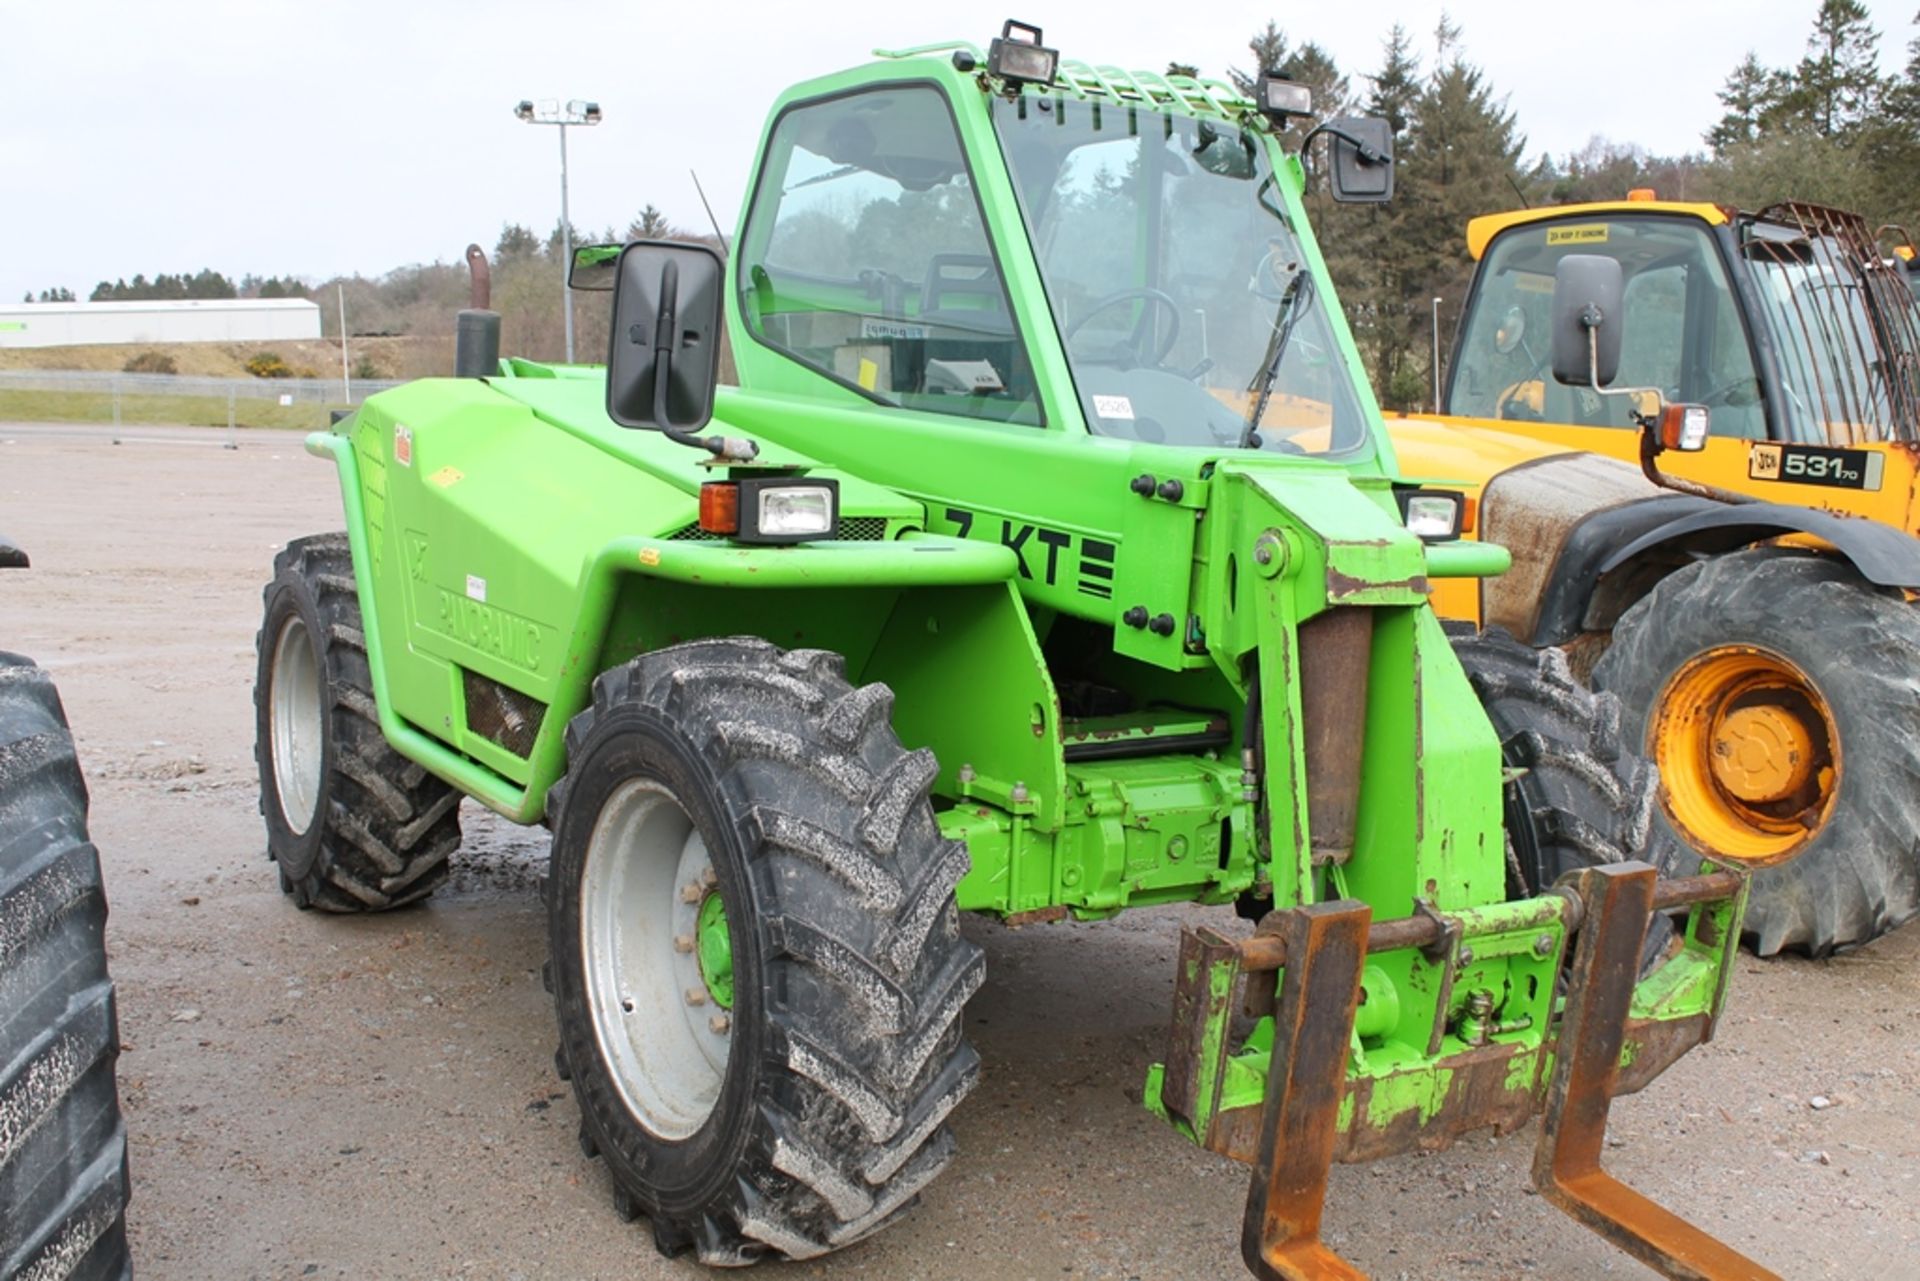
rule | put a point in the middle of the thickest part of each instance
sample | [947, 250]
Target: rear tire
[815, 1112]
[354, 825]
[63, 1146]
[1858, 649]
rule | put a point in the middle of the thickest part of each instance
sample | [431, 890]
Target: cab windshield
[1682, 331]
[1184, 299]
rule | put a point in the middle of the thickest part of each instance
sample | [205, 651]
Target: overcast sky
[316, 138]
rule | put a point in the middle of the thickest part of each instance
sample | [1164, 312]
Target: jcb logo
[1764, 463]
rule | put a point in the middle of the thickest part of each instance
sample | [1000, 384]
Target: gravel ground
[317, 1097]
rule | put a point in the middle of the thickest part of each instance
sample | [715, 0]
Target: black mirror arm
[1368, 155]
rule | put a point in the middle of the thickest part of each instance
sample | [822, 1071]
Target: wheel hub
[654, 978]
[1762, 753]
[1749, 754]
[297, 720]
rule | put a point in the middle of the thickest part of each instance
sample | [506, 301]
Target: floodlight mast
[549, 111]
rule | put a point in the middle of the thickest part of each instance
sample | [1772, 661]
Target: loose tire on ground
[63, 1147]
[1578, 799]
[823, 1115]
[354, 826]
[1859, 873]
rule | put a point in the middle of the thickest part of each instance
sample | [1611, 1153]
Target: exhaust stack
[476, 332]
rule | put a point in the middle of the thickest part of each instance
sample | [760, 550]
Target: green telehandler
[1048, 560]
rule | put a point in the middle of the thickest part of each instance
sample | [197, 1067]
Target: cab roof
[1482, 230]
[1097, 83]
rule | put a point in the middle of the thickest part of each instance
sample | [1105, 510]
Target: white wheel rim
[298, 726]
[646, 872]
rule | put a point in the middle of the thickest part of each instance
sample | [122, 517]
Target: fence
[116, 398]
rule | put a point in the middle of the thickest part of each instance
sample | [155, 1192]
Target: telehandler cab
[1049, 560]
[1747, 597]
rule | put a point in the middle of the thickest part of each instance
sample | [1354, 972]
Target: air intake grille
[501, 715]
[853, 529]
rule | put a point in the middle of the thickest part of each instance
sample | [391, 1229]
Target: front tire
[1775, 690]
[354, 825]
[1576, 798]
[63, 1146]
[756, 959]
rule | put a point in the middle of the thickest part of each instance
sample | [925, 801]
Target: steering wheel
[1155, 296]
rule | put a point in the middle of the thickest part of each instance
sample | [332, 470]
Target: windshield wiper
[1293, 302]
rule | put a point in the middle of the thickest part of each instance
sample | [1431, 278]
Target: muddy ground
[318, 1097]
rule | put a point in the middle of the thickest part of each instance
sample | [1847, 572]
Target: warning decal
[1588, 233]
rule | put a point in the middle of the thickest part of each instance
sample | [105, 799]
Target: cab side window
[866, 257]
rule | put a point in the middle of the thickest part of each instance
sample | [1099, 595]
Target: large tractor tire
[354, 825]
[1779, 694]
[1576, 798]
[63, 1147]
[756, 958]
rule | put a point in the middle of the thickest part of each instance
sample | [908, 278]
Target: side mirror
[594, 268]
[1589, 293]
[1361, 149]
[662, 359]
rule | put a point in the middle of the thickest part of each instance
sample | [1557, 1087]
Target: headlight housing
[1432, 515]
[771, 509]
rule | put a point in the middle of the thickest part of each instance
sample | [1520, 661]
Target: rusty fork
[1324, 949]
[1566, 1166]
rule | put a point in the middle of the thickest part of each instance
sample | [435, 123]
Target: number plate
[1816, 465]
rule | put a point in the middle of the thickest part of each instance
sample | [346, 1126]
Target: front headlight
[794, 511]
[1432, 515]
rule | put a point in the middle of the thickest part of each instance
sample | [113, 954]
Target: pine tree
[1396, 86]
[1837, 85]
[1315, 68]
[515, 241]
[1750, 95]
[650, 225]
[1269, 50]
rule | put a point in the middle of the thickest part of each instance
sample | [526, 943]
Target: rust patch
[1038, 916]
[1195, 1008]
[1336, 654]
[1342, 586]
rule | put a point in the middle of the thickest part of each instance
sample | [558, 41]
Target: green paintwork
[505, 531]
[715, 949]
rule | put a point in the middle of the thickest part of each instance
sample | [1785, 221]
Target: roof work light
[1018, 57]
[1281, 98]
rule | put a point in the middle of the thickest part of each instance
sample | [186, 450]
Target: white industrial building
[70, 324]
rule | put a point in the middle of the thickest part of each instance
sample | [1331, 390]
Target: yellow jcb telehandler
[1743, 578]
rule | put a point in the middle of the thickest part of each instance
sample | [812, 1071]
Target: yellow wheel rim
[1748, 752]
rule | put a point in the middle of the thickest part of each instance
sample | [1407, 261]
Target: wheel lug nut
[707, 876]
[690, 892]
[696, 996]
[683, 942]
[720, 1024]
